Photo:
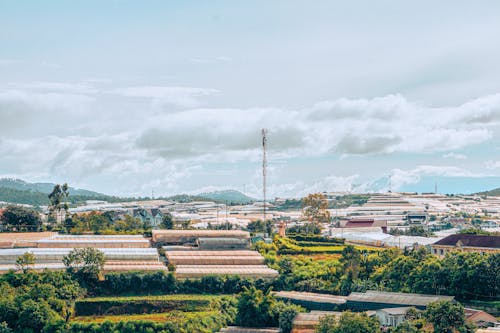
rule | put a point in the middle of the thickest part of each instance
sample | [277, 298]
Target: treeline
[166, 283]
[465, 275]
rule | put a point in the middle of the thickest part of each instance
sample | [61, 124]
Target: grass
[178, 297]
[134, 305]
[172, 316]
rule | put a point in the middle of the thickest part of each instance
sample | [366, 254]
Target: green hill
[18, 184]
[230, 196]
[20, 192]
[495, 192]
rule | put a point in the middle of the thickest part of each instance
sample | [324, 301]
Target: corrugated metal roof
[372, 296]
[311, 297]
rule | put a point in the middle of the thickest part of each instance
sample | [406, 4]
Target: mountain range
[21, 192]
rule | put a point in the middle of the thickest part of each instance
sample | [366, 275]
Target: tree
[446, 316]
[19, 218]
[406, 327]
[26, 261]
[167, 221]
[58, 201]
[255, 308]
[86, 263]
[286, 315]
[36, 315]
[315, 208]
[348, 322]
[351, 260]
[4, 328]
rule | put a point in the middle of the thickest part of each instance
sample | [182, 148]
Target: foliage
[26, 261]
[36, 302]
[255, 308]
[475, 231]
[105, 223]
[167, 221]
[143, 304]
[260, 226]
[165, 283]
[348, 323]
[58, 200]
[306, 228]
[85, 263]
[315, 239]
[446, 316]
[316, 208]
[19, 218]
[414, 230]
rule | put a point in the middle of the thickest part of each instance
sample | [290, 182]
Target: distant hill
[20, 192]
[495, 192]
[230, 196]
[18, 184]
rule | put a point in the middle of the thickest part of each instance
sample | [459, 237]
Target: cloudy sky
[125, 97]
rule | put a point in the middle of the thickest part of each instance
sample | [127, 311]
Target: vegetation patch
[142, 305]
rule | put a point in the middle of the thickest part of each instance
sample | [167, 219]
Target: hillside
[19, 184]
[20, 192]
[230, 196]
[494, 192]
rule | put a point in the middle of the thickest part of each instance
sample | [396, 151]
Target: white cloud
[81, 131]
[455, 156]
[492, 165]
[179, 96]
[399, 177]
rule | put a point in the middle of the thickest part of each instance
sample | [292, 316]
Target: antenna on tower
[264, 171]
[435, 187]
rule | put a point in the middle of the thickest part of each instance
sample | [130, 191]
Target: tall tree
[58, 201]
[315, 208]
[86, 263]
[167, 221]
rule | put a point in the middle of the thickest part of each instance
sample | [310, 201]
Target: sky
[129, 97]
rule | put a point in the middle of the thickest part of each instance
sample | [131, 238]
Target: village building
[466, 243]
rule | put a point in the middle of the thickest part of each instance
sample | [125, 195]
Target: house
[466, 243]
[392, 316]
[480, 318]
[152, 216]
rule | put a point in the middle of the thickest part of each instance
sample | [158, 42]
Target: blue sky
[126, 97]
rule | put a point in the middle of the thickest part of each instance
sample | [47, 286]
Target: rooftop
[471, 241]
[372, 296]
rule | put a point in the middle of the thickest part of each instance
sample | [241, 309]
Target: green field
[133, 305]
[172, 316]
[290, 246]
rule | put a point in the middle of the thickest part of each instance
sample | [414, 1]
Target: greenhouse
[374, 300]
[111, 241]
[191, 236]
[190, 271]
[313, 301]
[55, 255]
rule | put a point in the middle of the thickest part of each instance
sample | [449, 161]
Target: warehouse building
[313, 301]
[374, 300]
